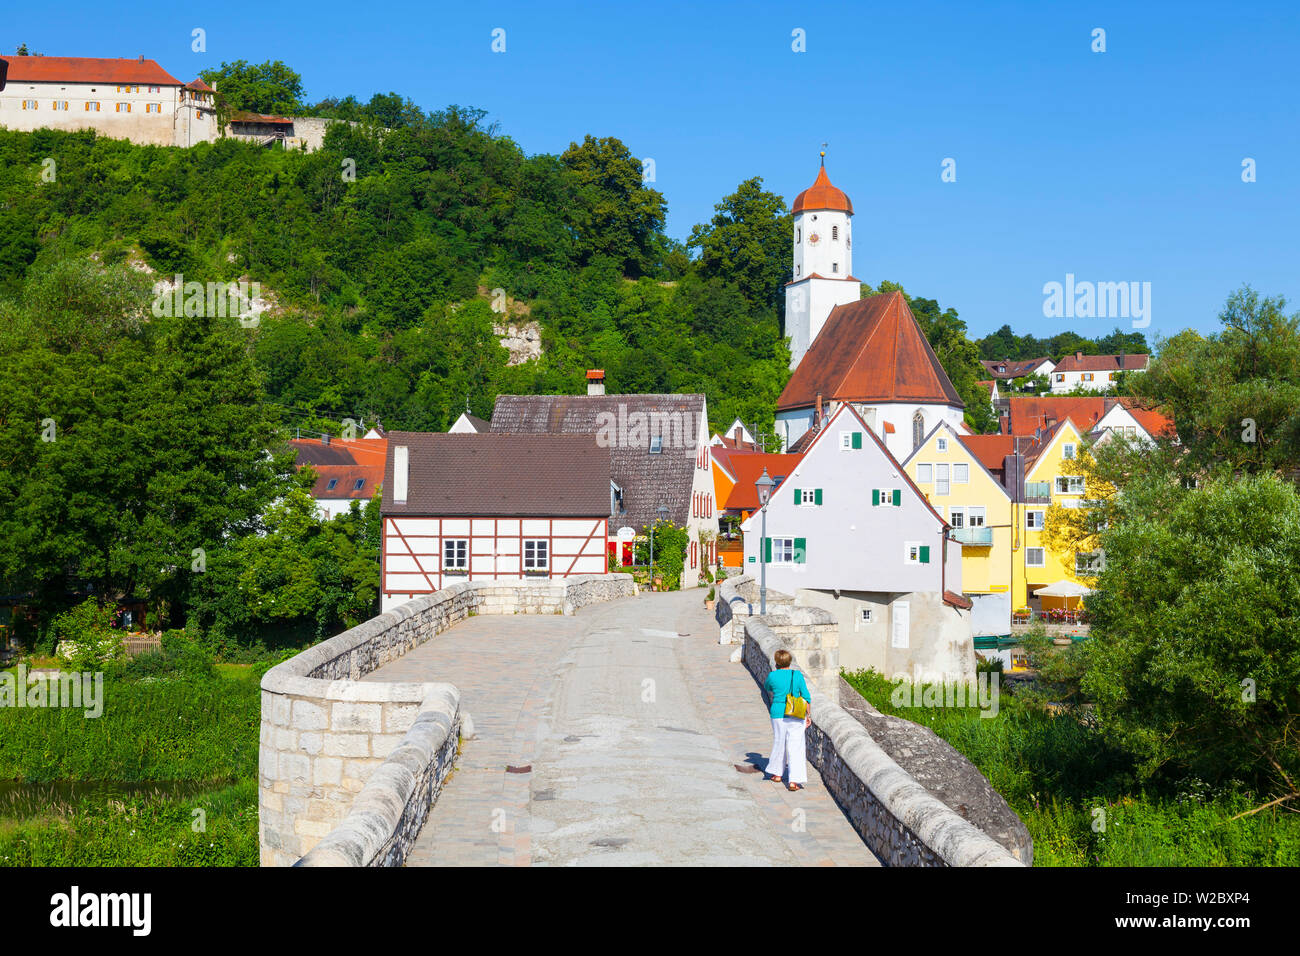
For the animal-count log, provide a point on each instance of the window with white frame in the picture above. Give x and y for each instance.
(924, 474)
(975, 516)
(783, 551)
(455, 554)
(1069, 484)
(1034, 557)
(864, 615)
(656, 444)
(850, 440)
(940, 479)
(536, 554)
(807, 496)
(914, 552)
(1034, 520)
(961, 473)
(957, 517)
(1089, 562)
(1067, 451)
(941, 444)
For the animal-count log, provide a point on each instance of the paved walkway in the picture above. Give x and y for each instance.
(628, 722)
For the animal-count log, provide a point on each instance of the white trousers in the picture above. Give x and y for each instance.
(788, 749)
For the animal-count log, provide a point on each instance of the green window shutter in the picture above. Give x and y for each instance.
(797, 499)
(857, 439)
(898, 497)
(925, 554)
(875, 496)
(800, 546)
(767, 550)
(817, 496)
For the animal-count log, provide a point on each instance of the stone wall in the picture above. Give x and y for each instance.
(326, 737)
(898, 819)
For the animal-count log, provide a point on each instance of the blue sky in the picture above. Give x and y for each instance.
(1115, 166)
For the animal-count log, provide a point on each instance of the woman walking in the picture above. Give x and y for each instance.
(788, 690)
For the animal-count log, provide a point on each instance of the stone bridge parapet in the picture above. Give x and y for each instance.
(348, 771)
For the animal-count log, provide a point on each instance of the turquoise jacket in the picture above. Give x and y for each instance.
(779, 683)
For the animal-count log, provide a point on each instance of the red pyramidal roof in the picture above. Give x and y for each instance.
(871, 350)
(822, 195)
(81, 69)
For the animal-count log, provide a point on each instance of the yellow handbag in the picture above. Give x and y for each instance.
(795, 706)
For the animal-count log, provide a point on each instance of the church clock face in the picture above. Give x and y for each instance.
(814, 238)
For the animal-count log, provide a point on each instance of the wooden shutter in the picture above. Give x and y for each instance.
(798, 498)
(857, 439)
(767, 550)
(800, 546)
(925, 554)
(898, 498)
(817, 496)
(875, 496)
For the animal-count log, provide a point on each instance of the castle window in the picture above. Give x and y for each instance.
(918, 429)
(835, 232)
(796, 269)
(835, 267)
(798, 235)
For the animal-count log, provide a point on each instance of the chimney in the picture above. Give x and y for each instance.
(1004, 424)
(595, 381)
(401, 472)
(1078, 356)
(740, 430)
(1121, 358)
(818, 420)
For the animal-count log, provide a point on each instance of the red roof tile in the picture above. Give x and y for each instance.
(822, 195)
(77, 69)
(1101, 363)
(748, 468)
(989, 450)
(871, 350)
(1014, 368)
(343, 462)
(1156, 423)
(1029, 413)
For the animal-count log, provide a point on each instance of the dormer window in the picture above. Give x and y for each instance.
(357, 486)
(330, 486)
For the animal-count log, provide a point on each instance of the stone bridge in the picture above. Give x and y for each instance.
(568, 722)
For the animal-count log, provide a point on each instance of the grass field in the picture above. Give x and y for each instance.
(1081, 800)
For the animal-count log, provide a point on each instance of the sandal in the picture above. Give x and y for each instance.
(794, 787)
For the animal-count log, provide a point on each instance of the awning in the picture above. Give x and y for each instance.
(1063, 589)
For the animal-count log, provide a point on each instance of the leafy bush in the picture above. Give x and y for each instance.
(86, 635)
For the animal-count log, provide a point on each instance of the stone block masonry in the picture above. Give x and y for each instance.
(350, 770)
(899, 820)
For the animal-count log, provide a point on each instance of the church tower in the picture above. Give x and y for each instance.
(823, 262)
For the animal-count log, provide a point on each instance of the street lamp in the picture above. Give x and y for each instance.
(765, 484)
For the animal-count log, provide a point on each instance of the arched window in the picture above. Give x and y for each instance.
(918, 429)
(835, 232)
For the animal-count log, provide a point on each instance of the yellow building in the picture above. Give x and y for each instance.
(974, 501)
(1052, 477)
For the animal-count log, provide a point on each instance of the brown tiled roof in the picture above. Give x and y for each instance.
(199, 85)
(953, 599)
(871, 350)
(990, 450)
(1015, 369)
(506, 475)
(822, 195)
(243, 116)
(344, 462)
(747, 469)
(1029, 413)
(1101, 363)
(647, 480)
(1156, 423)
(79, 69)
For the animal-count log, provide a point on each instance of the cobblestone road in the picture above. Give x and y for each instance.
(632, 721)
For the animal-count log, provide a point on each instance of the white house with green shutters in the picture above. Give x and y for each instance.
(849, 532)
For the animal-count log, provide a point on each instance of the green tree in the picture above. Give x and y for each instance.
(1235, 395)
(748, 243)
(267, 87)
(619, 215)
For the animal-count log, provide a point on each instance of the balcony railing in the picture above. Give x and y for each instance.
(978, 537)
(1038, 491)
